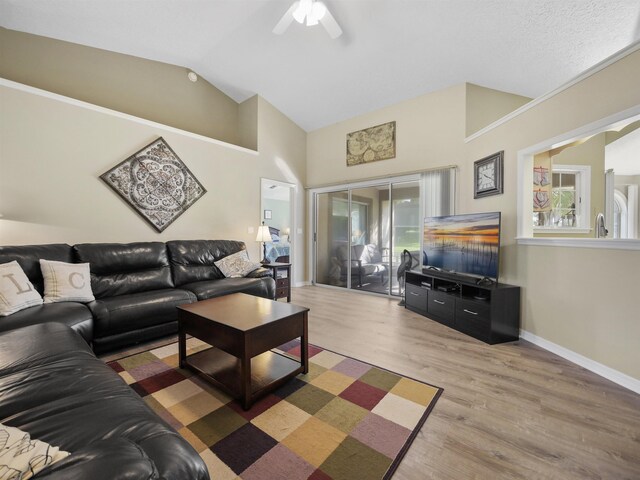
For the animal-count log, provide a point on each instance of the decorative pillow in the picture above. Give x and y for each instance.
(21, 458)
(236, 265)
(275, 238)
(16, 291)
(66, 282)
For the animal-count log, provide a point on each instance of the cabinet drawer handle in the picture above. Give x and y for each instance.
(414, 294)
(438, 302)
(469, 311)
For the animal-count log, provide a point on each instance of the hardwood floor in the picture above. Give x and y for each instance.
(511, 411)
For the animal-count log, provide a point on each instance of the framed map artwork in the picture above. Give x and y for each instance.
(155, 183)
(371, 144)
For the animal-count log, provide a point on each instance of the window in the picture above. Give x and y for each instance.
(569, 206)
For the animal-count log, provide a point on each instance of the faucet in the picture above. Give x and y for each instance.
(601, 232)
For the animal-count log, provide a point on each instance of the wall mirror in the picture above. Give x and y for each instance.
(584, 184)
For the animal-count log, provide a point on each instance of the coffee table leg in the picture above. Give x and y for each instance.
(304, 347)
(245, 388)
(182, 349)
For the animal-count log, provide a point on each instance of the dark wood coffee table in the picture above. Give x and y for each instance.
(242, 331)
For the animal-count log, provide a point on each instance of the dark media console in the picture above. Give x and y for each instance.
(487, 311)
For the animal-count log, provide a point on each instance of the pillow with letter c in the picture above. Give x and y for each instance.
(66, 282)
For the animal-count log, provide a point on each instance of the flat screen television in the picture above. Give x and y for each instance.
(465, 244)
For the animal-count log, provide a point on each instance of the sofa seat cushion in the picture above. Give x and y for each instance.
(97, 462)
(370, 269)
(260, 287)
(125, 313)
(53, 387)
(75, 315)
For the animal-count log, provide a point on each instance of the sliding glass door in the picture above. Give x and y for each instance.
(406, 229)
(369, 239)
(332, 238)
(365, 231)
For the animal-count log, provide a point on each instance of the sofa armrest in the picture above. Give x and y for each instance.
(260, 273)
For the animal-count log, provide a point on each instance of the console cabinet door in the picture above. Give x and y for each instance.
(442, 305)
(473, 318)
(416, 298)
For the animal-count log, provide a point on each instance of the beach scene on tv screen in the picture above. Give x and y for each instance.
(463, 243)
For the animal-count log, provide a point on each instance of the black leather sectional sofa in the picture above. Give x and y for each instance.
(54, 388)
(52, 385)
(137, 286)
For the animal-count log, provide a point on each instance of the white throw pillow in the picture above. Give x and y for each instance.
(21, 457)
(236, 265)
(66, 282)
(16, 291)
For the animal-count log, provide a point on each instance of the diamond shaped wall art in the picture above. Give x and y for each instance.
(156, 183)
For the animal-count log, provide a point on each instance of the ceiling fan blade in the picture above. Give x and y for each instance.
(330, 25)
(286, 19)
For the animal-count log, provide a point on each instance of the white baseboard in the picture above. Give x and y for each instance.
(609, 373)
(302, 284)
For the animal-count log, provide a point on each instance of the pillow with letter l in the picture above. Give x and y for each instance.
(66, 282)
(16, 291)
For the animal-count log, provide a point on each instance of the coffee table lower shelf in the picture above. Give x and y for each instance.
(269, 370)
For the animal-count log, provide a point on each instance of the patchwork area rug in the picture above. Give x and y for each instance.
(344, 420)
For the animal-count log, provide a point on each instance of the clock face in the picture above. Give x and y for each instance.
(486, 176)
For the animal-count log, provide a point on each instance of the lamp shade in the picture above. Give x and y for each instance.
(263, 234)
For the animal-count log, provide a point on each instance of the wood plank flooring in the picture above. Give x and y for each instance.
(511, 411)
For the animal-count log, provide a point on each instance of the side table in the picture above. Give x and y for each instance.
(282, 276)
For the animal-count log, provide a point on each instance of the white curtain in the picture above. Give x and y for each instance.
(439, 192)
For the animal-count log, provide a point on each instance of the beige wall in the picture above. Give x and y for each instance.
(152, 90)
(429, 133)
(52, 154)
(486, 105)
(580, 298)
(282, 147)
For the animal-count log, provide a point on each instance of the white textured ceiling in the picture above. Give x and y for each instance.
(391, 50)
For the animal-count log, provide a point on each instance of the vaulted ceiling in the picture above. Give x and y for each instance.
(391, 50)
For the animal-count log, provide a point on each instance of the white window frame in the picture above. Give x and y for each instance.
(583, 203)
(524, 201)
(620, 200)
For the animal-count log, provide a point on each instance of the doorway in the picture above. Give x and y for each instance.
(277, 212)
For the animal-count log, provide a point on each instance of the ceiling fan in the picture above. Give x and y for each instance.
(314, 11)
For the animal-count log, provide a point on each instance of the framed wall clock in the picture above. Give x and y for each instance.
(488, 175)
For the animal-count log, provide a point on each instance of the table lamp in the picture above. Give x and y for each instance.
(264, 236)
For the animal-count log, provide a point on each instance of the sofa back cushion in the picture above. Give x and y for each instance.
(123, 268)
(29, 256)
(194, 260)
(370, 254)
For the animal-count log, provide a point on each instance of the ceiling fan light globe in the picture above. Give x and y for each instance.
(318, 10)
(299, 15)
(303, 10)
(311, 21)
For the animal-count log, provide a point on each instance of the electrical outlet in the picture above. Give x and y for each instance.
(250, 230)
